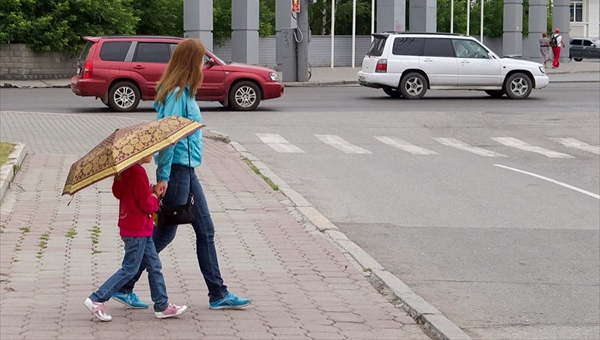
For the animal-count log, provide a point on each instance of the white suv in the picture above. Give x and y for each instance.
(408, 64)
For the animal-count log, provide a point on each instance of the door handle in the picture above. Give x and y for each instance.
(465, 61)
(139, 67)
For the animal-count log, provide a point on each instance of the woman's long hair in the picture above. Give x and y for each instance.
(184, 68)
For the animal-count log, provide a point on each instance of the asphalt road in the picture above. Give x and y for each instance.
(505, 245)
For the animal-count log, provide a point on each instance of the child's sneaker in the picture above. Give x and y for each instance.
(97, 308)
(171, 311)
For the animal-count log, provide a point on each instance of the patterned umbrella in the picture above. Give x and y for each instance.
(125, 147)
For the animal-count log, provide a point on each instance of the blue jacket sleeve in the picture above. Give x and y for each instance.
(173, 107)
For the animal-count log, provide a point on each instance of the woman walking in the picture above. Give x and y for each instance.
(545, 47)
(175, 174)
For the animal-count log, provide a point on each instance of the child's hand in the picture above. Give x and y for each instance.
(158, 190)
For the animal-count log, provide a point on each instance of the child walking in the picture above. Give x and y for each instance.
(137, 202)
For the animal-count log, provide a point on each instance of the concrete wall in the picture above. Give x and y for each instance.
(319, 50)
(17, 61)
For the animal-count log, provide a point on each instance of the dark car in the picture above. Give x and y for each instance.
(122, 70)
(584, 48)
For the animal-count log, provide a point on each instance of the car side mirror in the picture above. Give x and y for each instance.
(211, 62)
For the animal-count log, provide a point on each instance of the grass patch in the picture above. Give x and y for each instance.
(71, 233)
(265, 178)
(5, 150)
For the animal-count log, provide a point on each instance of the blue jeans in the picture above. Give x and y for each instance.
(177, 194)
(139, 253)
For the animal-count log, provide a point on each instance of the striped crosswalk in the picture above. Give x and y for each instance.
(510, 146)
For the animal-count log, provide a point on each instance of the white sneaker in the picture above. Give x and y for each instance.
(97, 308)
(171, 311)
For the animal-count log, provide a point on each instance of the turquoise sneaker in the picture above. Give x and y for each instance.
(130, 300)
(230, 301)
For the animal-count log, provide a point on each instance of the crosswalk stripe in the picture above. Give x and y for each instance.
(575, 144)
(279, 143)
(455, 143)
(518, 144)
(340, 144)
(402, 145)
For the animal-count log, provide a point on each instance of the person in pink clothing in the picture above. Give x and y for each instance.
(137, 202)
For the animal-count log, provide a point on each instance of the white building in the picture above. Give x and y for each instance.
(585, 18)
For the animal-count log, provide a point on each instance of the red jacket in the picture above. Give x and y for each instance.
(136, 202)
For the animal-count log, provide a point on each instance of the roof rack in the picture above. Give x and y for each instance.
(428, 33)
(138, 36)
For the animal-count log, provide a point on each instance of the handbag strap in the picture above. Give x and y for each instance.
(188, 145)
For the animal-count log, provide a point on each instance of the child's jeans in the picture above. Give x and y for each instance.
(139, 251)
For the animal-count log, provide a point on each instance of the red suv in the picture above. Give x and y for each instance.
(122, 70)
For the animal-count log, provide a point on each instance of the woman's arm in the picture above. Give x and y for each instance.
(173, 107)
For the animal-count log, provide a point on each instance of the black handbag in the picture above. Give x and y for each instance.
(180, 214)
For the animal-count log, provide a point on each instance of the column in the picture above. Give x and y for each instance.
(538, 13)
(198, 21)
(283, 19)
(512, 39)
(561, 18)
(423, 16)
(244, 31)
(391, 15)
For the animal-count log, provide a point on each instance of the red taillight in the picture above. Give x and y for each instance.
(381, 66)
(86, 73)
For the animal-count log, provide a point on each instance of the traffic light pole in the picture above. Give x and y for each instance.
(302, 38)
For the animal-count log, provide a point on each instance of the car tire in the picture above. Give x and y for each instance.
(518, 86)
(392, 92)
(413, 86)
(124, 96)
(495, 93)
(244, 96)
(578, 59)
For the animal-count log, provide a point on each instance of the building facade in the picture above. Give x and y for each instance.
(585, 18)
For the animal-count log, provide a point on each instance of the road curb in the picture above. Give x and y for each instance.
(436, 324)
(12, 165)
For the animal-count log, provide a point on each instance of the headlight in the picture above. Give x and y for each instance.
(274, 76)
(542, 70)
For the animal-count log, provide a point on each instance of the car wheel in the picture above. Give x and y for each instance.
(244, 96)
(413, 86)
(392, 92)
(518, 86)
(123, 96)
(578, 59)
(495, 93)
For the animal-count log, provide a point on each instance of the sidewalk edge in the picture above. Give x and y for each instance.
(434, 323)
(7, 171)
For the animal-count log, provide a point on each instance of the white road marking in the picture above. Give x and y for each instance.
(455, 143)
(551, 180)
(402, 145)
(279, 143)
(341, 144)
(575, 144)
(518, 144)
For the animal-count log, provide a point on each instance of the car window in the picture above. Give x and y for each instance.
(587, 43)
(469, 49)
(408, 46)
(576, 42)
(376, 48)
(438, 48)
(85, 51)
(114, 50)
(172, 47)
(151, 52)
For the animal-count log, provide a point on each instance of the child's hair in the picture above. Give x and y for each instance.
(184, 68)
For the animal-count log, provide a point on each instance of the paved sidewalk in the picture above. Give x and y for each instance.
(53, 255)
(587, 70)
